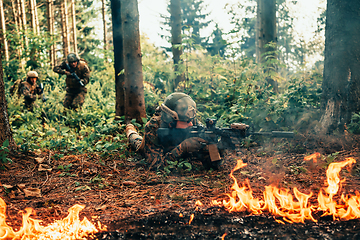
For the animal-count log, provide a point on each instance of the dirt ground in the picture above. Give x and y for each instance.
(117, 189)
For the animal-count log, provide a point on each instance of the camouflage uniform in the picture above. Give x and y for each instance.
(28, 88)
(155, 153)
(75, 93)
(30, 93)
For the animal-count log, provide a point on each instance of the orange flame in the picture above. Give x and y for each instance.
(68, 228)
(191, 218)
(280, 202)
(223, 236)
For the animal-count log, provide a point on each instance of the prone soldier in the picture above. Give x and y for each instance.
(77, 74)
(177, 112)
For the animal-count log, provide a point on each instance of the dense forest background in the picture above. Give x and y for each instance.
(232, 76)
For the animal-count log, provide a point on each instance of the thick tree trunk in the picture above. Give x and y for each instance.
(266, 34)
(3, 31)
(134, 88)
(65, 28)
(118, 57)
(341, 90)
(5, 129)
(50, 22)
(74, 26)
(176, 40)
(103, 8)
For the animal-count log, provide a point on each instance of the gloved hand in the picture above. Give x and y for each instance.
(188, 146)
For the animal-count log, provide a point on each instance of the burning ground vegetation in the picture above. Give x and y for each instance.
(273, 191)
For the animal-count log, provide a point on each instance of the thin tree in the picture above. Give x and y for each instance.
(176, 40)
(23, 19)
(3, 31)
(17, 24)
(65, 28)
(74, 35)
(50, 22)
(340, 87)
(32, 14)
(134, 87)
(103, 8)
(118, 57)
(5, 129)
(266, 34)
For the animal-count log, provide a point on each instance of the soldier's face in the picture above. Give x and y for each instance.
(73, 64)
(33, 80)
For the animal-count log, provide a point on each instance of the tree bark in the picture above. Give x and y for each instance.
(266, 10)
(134, 88)
(23, 19)
(3, 32)
(74, 26)
(118, 57)
(104, 24)
(341, 90)
(176, 40)
(32, 14)
(65, 28)
(50, 22)
(5, 129)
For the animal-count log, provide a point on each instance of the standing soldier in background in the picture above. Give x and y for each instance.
(77, 76)
(29, 89)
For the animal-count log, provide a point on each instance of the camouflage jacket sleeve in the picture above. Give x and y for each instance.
(60, 69)
(83, 71)
(153, 150)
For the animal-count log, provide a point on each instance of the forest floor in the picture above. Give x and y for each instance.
(120, 191)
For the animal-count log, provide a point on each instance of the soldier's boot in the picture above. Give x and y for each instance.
(136, 141)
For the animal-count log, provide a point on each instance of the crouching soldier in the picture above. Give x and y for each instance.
(177, 111)
(29, 89)
(77, 76)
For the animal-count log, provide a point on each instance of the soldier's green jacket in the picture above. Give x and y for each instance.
(29, 92)
(82, 70)
(154, 152)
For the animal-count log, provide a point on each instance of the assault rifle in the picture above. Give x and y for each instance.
(217, 138)
(40, 91)
(73, 74)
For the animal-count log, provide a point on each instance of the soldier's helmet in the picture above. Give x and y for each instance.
(72, 57)
(178, 106)
(32, 74)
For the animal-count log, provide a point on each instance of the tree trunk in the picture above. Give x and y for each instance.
(65, 28)
(5, 129)
(104, 23)
(3, 32)
(118, 57)
(18, 26)
(176, 40)
(36, 18)
(341, 90)
(24, 24)
(74, 26)
(266, 34)
(134, 88)
(50, 22)
(32, 14)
